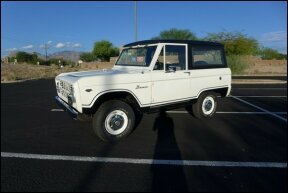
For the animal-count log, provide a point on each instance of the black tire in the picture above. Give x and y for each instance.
(202, 111)
(113, 113)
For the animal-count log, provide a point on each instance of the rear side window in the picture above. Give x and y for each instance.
(208, 57)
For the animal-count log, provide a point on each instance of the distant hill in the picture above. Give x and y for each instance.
(66, 55)
(41, 56)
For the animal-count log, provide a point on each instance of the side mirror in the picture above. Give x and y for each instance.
(171, 69)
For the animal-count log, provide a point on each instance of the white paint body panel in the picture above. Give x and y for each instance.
(169, 86)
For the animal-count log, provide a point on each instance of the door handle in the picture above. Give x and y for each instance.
(187, 73)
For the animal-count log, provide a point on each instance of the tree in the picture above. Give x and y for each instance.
(26, 57)
(34, 58)
(115, 51)
(23, 57)
(87, 57)
(11, 59)
(104, 50)
(235, 43)
(177, 34)
(269, 53)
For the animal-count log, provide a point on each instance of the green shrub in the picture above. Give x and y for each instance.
(68, 63)
(269, 54)
(46, 63)
(235, 43)
(54, 61)
(237, 64)
(87, 57)
(11, 59)
(23, 57)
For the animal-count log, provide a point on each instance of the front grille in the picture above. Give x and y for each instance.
(65, 88)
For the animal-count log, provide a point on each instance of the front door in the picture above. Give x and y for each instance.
(170, 77)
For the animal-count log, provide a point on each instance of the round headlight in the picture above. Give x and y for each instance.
(72, 90)
(70, 99)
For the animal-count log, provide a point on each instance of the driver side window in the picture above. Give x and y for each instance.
(175, 57)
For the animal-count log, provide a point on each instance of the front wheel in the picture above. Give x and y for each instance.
(113, 120)
(206, 105)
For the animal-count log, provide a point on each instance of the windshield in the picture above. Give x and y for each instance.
(136, 56)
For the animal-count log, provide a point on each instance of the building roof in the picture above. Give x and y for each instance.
(191, 42)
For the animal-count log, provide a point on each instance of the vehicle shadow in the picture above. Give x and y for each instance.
(88, 181)
(166, 178)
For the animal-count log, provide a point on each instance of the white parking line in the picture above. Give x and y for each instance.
(146, 161)
(259, 96)
(259, 113)
(222, 112)
(259, 88)
(259, 108)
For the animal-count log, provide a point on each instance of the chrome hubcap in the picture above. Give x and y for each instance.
(116, 122)
(208, 105)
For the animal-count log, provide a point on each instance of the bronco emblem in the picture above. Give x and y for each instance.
(138, 87)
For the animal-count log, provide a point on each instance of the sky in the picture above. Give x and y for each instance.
(28, 26)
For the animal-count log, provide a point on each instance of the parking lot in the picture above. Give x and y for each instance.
(243, 148)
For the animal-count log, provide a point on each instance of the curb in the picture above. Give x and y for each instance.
(23, 80)
(247, 75)
(264, 82)
(259, 79)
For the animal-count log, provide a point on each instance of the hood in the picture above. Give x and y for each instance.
(93, 73)
(101, 76)
(106, 72)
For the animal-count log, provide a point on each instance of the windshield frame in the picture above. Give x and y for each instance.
(135, 47)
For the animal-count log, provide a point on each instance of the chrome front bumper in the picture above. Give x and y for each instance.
(72, 112)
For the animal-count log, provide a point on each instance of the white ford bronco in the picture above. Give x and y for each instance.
(148, 76)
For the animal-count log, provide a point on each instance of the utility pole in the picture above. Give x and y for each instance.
(135, 19)
(46, 47)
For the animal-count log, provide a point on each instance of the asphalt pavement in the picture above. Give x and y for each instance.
(243, 148)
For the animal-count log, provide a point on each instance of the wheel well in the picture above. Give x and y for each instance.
(124, 96)
(220, 91)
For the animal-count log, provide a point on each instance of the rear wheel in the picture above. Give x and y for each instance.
(113, 120)
(206, 105)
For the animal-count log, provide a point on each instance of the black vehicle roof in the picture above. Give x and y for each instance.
(191, 42)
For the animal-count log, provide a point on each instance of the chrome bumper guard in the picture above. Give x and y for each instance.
(72, 112)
